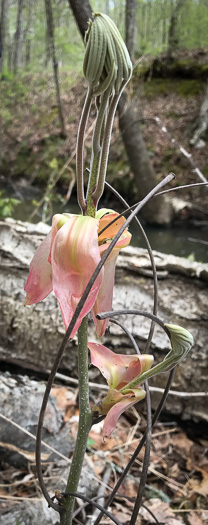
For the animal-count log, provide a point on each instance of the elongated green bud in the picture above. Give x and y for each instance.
(107, 65)
(181, 340)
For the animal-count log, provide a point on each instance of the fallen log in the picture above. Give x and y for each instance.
(30, 336)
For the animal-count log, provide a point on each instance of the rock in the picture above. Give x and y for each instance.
(30, 336)
(29, 513)
(20, 400)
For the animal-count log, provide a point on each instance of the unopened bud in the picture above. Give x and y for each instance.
(107, 65)
(181, 339)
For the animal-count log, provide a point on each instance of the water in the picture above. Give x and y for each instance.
(184, 241)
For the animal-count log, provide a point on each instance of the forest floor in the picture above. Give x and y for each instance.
(177, 484)
(34, 153)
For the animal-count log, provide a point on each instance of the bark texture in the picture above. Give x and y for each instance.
(82, 12)
(30, 336)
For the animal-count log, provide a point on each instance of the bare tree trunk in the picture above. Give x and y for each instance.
(173, 33)
(3, 18)
(47, 47)
(157, 211)
(27, 34)
(82, 12)
(131, 27)
(18, 38)
(51, 41)
(164, 24)
(10, 53)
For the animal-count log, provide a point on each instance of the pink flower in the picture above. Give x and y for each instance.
(118, 370)
(66, 260)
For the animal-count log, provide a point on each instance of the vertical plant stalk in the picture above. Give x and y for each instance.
(97, 147)
(80, 147)
(84, 425)
(105, 149)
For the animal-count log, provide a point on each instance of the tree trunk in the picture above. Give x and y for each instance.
(9, 54)
(157, 211)
(27, 35)
(202, 121)
(51, 41)
(47, 47)
(140, 164)
(131, 27)
(82, 12)
(18, 38)
(164, 24)
(173, 28)
(3, 18)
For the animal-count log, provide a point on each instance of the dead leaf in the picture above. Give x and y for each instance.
(194, 519)
(162, 512)
(196, 486)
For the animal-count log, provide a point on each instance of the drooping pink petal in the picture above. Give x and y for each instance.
(110, 364)
(75, 255)
(104, 299)
(118, 369)
(57, 222)
(39, 281)
(120, 407)
(135, 366)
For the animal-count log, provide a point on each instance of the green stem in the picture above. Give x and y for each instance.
(80, 146)
(96, 150)
(166, 364)
(84, 424)
(105, 149)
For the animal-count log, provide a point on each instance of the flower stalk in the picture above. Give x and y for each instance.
(84, 425)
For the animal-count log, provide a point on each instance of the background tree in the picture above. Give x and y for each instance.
(17, 61)
(131, 27)
(51, 43)
(3, 19)
(27, 33)
(173, 34)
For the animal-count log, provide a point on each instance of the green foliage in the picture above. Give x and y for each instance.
(7, 206)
